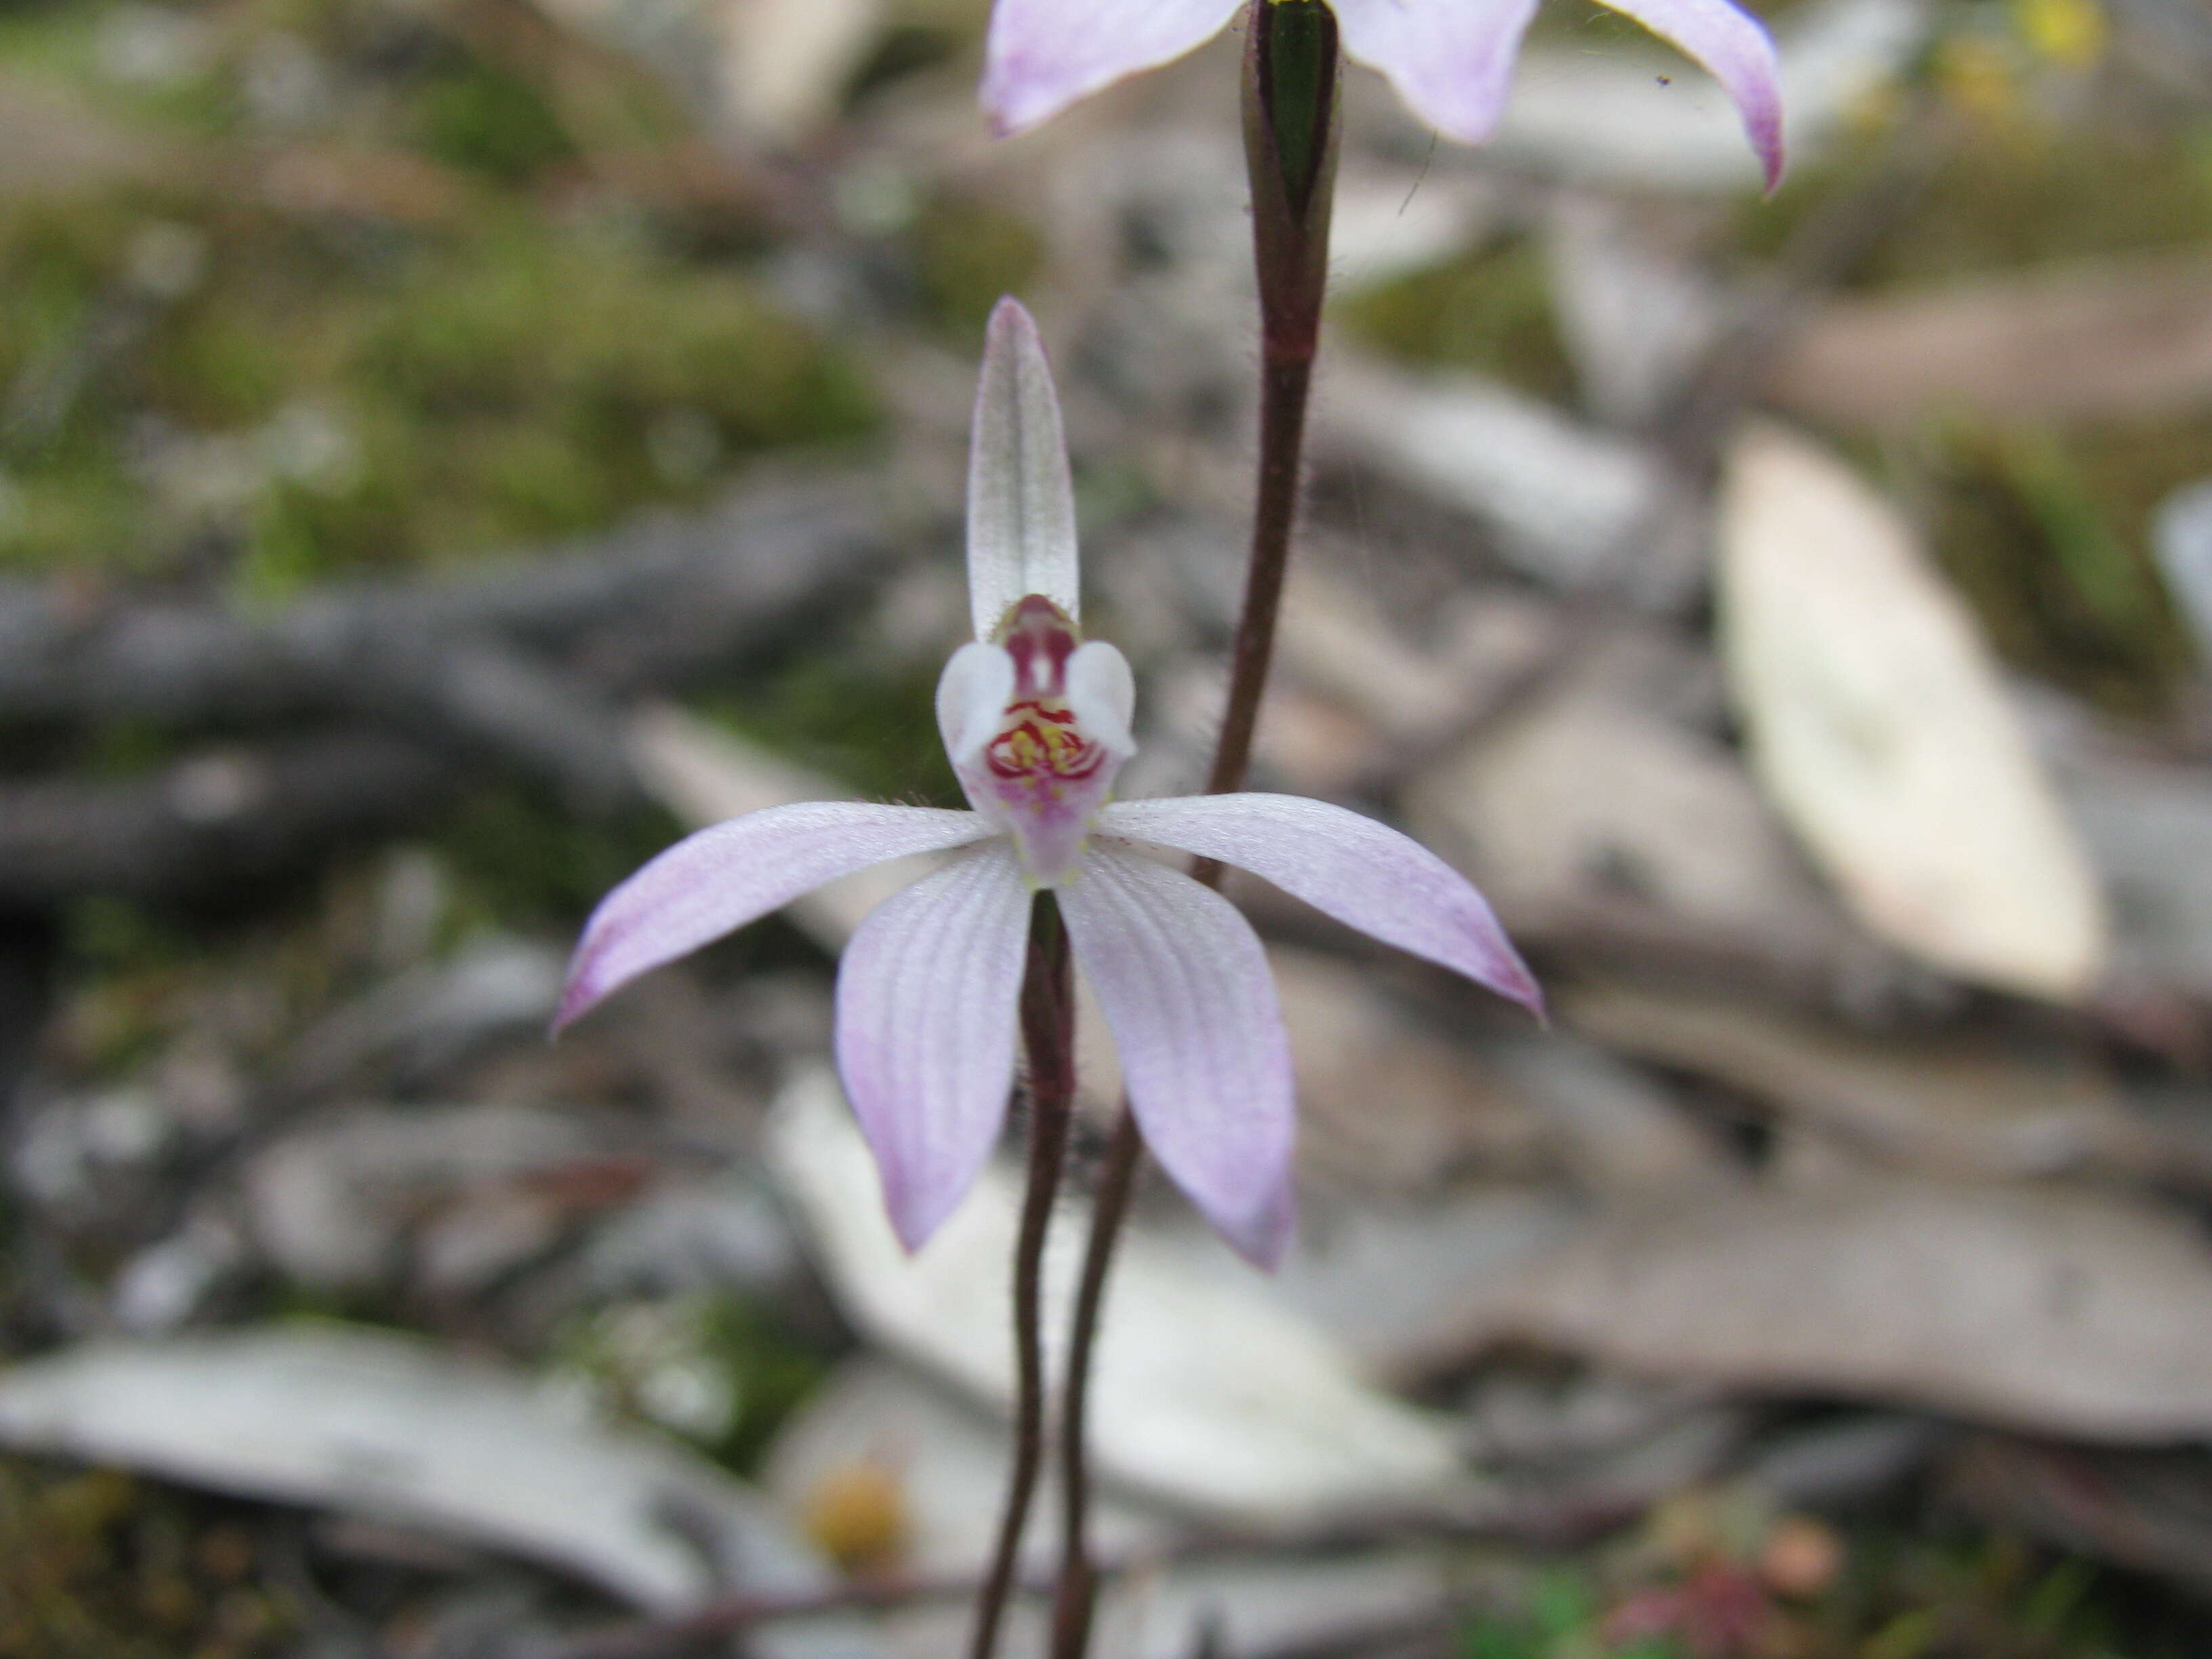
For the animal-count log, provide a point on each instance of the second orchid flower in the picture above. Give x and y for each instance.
(1450, 60)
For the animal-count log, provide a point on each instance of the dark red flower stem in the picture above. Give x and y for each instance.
(1291, 130)
(1047, 1015)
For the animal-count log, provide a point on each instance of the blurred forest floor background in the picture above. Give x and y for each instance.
(449, 447)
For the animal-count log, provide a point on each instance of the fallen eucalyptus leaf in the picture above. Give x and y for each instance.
(1206, 1390)
(1879, 725)
(1945, 1105)
(386, 1426)
(2127, 339)
(2069, 1312)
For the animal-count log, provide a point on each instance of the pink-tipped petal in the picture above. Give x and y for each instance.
(1042, 54)
(1450, 60)
(1187, 996)
(723, 877)
(1021, 506)
(926, 1024)
(1363, 873)
(1735, 47)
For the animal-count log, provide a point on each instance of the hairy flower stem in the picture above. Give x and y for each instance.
(1292, 130)
(1047, 1015)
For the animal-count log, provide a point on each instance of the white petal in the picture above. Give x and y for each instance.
(1363, 873)
(1450, 60)
(1102, 693)
(1186, 991)
(1737, 49)
(972, 694)
(1042, 54)
(734, 873)
(926, 1024)
(1021, 507)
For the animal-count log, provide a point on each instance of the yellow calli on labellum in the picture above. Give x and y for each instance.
(1450, 60)
(1035, 719)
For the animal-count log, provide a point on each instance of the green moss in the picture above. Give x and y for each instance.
(520, 862)
(2046, 535)
(2014, 195)
(97, 1564)
(723, 1371)
(1489, 312)
(508, 378)
(966, 255)
(479, 118)
(875, 731)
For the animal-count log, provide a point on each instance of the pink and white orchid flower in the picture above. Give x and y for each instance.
(1450, 60)
(1037, 722)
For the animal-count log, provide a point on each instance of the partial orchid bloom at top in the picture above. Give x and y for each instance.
(1037, 722)
(1450, 60)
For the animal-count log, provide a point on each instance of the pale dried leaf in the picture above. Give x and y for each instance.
(1383, 1105)
(1947, 1105)
(2068, 1312)
(2127, 339)
(784, 62)
(1206, 1390)
(1879, 725)
(382, 1425)
(1586, 795)
(1569, 503)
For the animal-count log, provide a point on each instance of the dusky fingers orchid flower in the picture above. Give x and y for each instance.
(1037, 722)
(1450, 60)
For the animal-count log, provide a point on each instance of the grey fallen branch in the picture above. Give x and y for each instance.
(662, 600)
(519, 667)
(206, 826)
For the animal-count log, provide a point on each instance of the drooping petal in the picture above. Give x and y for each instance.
(1735, 47)
(1042, 54)
(1187, 996)
(1021, 507)
(738, 871)
(1102, 693)
(1450, 60)
(926, 1026)
(972, 694)
(1363, 873)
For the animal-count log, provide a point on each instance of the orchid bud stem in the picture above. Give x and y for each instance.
(1047, 1016)
(1293, 126)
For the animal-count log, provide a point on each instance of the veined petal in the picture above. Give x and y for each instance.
(1735, 47)
(1042, 54)
(1450, 60)
(1187, 996)
(925, 1025)
(1021, 508)
(1102, 693)
(972, 694)
(738, 871)
(1363, 873)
